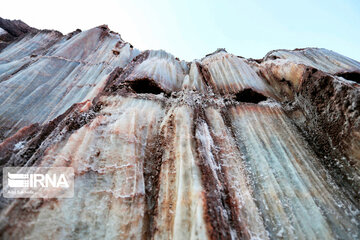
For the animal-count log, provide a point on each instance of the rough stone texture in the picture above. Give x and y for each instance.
(13, 30)
(222, 147)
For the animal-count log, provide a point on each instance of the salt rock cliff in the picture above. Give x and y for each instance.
(222, 147)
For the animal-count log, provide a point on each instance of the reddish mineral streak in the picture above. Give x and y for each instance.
(222, 147)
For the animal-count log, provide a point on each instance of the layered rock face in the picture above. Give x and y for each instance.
(218, 148)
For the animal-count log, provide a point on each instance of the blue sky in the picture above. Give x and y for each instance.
(191, 29)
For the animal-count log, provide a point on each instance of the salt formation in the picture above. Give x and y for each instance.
(222, 147)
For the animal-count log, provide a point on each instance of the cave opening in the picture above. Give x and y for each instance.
(250, 96)
(145, 86)
(352, 76)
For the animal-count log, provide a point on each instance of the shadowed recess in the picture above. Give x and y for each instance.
(145, 86)
(352, 76)
(250, 96)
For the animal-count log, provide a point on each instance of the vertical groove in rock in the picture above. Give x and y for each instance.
(152, 167)
(245, 215)
(218, 214)
(283, 170)
(180, 209)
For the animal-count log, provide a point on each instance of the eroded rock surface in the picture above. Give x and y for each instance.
(222, 147)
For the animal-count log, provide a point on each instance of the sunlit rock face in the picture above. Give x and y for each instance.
(43, 74)
(222, 147)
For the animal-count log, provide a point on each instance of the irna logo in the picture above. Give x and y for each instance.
(39, 182)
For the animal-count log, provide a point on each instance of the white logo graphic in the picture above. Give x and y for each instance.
(38, 182)
(18, 180)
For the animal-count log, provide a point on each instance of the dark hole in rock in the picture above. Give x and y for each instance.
(249, 96)
(286, 82)
(145, 86)
(258, 60)
(115, 52)
(104, 27)
(273, 57)
(352, 76)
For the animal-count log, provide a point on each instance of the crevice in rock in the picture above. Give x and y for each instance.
(255, 60)
(273, 57)
(228, 202)
(152, 168)
(352, 76)
(249, 96)
(288, 83)
(145, 86)
(111, 79)
(204, 72)
(219, 214)
(116, 52)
